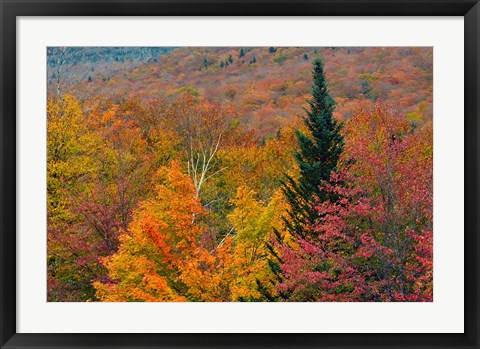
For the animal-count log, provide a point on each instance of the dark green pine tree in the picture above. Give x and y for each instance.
(317, 156)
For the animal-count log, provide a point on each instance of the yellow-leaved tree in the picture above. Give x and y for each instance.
(254, 223)
(238, 266)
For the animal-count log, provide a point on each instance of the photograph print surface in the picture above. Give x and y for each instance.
(232, 174)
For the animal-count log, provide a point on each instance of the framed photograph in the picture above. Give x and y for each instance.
(239, 174)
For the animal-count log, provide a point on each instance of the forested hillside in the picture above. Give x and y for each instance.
(240, 174)
(267, 86)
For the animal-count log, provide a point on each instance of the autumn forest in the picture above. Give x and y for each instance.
(232, 174)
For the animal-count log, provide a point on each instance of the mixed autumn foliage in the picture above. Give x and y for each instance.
(229, 174)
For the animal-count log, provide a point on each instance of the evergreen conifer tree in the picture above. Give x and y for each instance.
(317, 156)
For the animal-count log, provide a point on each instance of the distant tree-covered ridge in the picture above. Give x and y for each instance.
(75, 55)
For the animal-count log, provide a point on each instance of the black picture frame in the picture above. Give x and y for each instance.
(10, 10)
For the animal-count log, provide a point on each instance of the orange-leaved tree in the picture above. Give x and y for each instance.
(159, 244)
